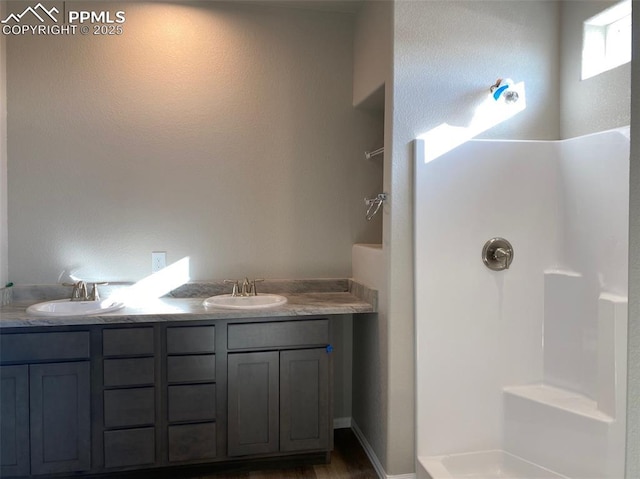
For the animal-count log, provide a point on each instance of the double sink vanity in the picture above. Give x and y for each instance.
(178, 383)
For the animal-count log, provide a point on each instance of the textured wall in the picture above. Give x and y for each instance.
(4, 267)
(341, 335)
(633, 391)
(579, 113)
(372, 75)
(371, 48)
(370, 383)
(213, 130)
(447, 54)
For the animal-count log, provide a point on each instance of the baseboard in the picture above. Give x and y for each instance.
(341, 422)
(373, 458)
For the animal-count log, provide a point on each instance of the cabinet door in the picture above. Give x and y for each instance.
(304, 400)
(60, 417)
(253, 403)
(14, 421)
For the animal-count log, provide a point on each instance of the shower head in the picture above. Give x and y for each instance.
(503, 89)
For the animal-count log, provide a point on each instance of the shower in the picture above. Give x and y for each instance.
(521, 350)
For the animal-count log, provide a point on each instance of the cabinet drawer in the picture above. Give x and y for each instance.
(278, 334)
(129, 407)
(44, 346)
(192, 402)
(129, 447)
(192, 442)
(191, 368)
(129, 372)
(127, 341)
(191, 339)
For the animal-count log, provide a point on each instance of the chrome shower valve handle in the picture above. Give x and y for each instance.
(497, 254)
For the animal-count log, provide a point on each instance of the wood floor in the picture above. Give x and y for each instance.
(348, 461)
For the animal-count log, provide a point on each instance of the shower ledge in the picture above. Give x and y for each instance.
(562, 399)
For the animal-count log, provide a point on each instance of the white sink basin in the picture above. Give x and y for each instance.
(66, 307)
(245, 302)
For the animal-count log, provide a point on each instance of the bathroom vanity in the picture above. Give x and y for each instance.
(105, 398)
(128, 391)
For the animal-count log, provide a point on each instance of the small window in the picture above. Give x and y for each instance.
(606, 41)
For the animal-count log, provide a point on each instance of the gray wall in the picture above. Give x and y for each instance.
(373, 65)
(633, 390)
(4, 267)
(372, 55)
(342, 357)
(217, 131)
(580, 114)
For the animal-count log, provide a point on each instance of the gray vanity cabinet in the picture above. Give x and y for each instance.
(191, 394)
(278, 400)
(60, 417)
(253, 380)
(129, 397)
(159, 396)
(304, 400)
(111, 399)
(45, 409)
(14, 421)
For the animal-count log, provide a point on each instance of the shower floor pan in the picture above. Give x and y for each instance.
(496, 464)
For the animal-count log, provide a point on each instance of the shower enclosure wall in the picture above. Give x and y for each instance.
(521, 372)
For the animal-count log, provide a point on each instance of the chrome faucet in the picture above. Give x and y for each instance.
(252, 289)
(234, 282)
(79, 292)
(95, 295)
(248, 287)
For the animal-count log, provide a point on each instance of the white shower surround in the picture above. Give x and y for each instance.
(563, 205)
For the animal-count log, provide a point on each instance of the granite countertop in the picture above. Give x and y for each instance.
(305, 298)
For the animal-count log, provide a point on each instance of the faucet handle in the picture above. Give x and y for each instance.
(504, 255)
(74, 292)
(246, 287)
(95, 295)
(252, 290)
(234, 292)
(79, 292)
